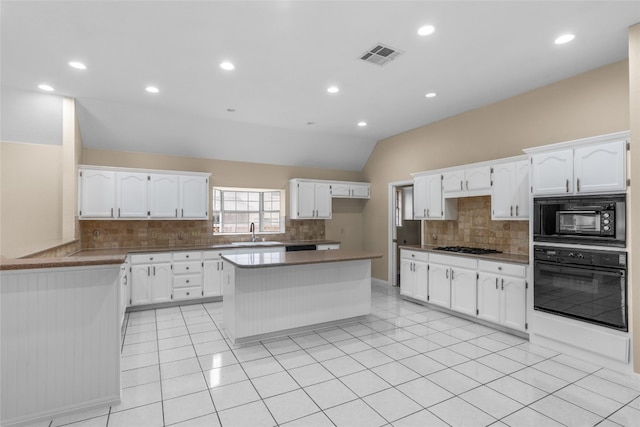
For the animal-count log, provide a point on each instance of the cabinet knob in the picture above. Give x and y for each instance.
(187, 281)
(187, 293)
(500, 268)
(187, 256)
(187, 268)
(150, 258)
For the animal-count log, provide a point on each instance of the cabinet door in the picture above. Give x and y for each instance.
(434, 196)
(521, 189)
(161, 280)
(359, 191)
(131, 194)
(489, 294)
(323, 201)
(552, 173)
(601, 167)
(453, 181)
(407, 279)
(502, 192)
(194, 197)
(513, 303)
(463, 290)
(421, 278)
(420, 196)
(140, 282)
(477, 178)
(212, 278)
(306, 199)
(163, 196)
(98, 194)
(439, 285)
(341, 190)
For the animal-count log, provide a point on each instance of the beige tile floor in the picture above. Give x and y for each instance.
(405, 365)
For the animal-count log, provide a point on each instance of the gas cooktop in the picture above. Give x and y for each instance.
(467, 250)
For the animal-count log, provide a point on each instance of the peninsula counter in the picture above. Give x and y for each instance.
(269, 294)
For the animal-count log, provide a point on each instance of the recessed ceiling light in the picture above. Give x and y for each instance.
(362, 124)
(565, 38)
(152, 89)
(46, 87)
(431, 95)
(231, 110)
(333, 89)
(77, 65)
(311, 123)
(426, 30)
(227, 66)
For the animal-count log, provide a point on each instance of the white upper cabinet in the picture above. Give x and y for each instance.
(163, 195)
(310, 199)
(428, 201)
(97, 190)
(465, 182)
(350, 190)
(510, 191)
(592, 165)
(106, 193)
(194, 197)
(131, 194)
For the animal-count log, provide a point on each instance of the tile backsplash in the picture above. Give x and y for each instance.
(475, 228)
(144, 233)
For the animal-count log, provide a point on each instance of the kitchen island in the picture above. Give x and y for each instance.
(276, 293)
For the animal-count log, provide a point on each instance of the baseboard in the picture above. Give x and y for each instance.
(379, 282)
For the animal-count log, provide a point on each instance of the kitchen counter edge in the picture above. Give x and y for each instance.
(283, 259)
(502, 257)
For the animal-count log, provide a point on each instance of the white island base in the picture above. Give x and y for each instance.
(274, 300)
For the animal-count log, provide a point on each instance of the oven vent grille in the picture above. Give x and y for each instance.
(380, 54)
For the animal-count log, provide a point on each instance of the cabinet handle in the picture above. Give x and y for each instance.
(461, 185)
(502, 286)
(148, 271)
(452, 274)
(154, 270)
(447, 273)
(467, 184)
(516, 210)
(218, 265)
(496, 283)
(176, 212)
(182, 212)
(427, 213)
(111, 212)
(510, 210)
(577, 185)
(118, 212)
(567, 184)
(126, 280)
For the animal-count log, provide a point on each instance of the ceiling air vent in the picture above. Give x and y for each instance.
(380, 54)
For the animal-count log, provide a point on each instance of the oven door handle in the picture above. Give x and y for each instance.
(559, 267)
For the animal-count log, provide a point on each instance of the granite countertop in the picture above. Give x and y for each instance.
(502, 257)
(87, 257)
(278, 259)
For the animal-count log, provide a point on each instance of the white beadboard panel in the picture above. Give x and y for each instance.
(265, 300)
(60, 341)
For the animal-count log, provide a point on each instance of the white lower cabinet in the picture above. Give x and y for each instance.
(187, 275)
(452, 282)
(151, 278)
(414, 274)
(502, 290)
(212, 272)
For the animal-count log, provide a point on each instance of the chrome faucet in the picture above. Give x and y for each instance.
(252, 229)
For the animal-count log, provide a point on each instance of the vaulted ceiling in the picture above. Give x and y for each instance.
(274, 106)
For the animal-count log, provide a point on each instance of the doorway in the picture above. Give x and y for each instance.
(403, 229)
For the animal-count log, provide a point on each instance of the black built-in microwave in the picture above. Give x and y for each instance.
(588, 220)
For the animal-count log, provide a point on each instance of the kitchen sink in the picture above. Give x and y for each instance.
(256, 243)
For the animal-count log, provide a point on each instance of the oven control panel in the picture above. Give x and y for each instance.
(580, 256)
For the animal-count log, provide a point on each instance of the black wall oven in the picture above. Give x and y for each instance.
(583, 220)
(584, 284)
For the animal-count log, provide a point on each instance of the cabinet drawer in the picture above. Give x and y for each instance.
(454, 261)
(415, 255)
(503, 268)
(187, 280)
(187, 293)
(151, 258)
(189, 267)
(187, 256)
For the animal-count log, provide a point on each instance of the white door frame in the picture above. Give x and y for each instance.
(393, 262)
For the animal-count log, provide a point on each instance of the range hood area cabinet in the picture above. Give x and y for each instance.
(467, 182)
(119, 193)
(586, 166)
(312, 198)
